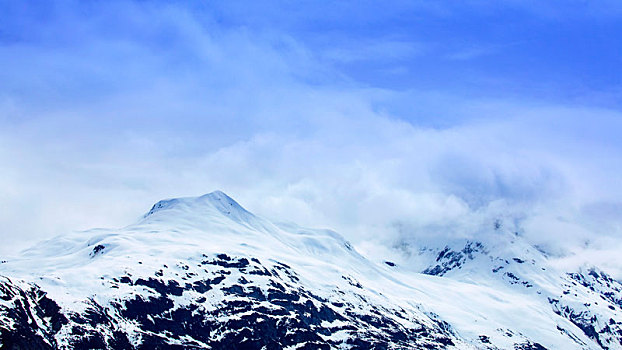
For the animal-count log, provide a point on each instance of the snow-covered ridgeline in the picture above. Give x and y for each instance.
(210, 263)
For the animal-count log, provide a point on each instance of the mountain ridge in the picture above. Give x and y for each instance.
(230, 279)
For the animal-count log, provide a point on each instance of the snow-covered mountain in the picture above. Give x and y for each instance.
(205, 273)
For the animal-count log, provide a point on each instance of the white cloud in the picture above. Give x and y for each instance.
(126, 122)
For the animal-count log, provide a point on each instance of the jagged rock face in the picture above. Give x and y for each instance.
(605, 328)
(28, 318)
(222, 302)
(205, 273)
(591, 300)
(448, 259)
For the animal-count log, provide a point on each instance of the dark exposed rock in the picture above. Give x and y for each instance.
(98, 249)
(281, 314)
(448, 259)
(529, 346)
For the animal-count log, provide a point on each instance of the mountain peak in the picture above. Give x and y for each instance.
(219, 198)
(205, 268)
(226, 205)
(215, 202)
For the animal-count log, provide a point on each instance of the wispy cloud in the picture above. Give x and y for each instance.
(379, 50)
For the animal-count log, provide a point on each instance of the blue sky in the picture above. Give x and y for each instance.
(436, 117)
(544, 51)
(564, 51)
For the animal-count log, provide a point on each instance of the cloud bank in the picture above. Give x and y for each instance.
(108, 107)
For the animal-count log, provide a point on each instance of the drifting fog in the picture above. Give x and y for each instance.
(107, 108)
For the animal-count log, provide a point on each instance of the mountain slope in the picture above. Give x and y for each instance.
(203, 272)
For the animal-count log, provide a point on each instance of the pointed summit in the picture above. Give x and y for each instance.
(216, 198)
(227, 206)
(214, 203)
(222, 201)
